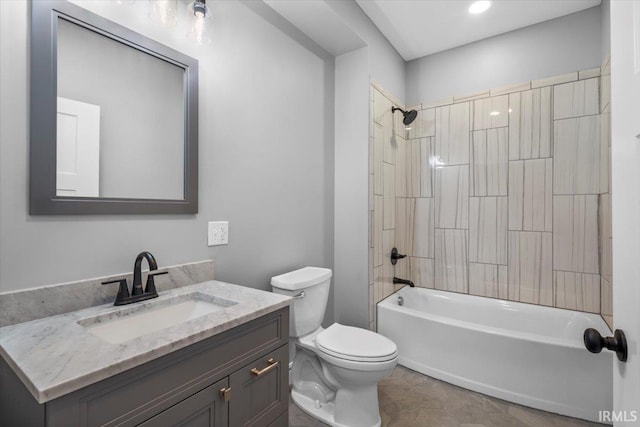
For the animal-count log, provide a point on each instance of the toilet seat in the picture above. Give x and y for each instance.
(340, 344)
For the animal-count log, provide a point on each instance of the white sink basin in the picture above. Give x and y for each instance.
(151, 316)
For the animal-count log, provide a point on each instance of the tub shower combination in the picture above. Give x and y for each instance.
(527, 354)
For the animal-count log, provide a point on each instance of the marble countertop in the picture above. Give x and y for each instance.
(55, 355)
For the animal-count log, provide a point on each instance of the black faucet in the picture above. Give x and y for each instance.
(136, 288)
(398, 281)
(137, 293)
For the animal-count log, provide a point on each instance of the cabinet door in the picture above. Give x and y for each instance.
(260, 390)
(207, 408)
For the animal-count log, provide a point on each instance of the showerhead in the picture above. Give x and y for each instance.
(408, 116)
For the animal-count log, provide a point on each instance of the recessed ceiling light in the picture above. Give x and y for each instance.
(494, 113)
(479, 6)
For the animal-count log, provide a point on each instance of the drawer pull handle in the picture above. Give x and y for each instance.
(272, 364)
(225, 393)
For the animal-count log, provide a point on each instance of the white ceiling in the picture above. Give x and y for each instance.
(421, 27)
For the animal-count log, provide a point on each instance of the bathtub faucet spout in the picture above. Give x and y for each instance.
(398, 281)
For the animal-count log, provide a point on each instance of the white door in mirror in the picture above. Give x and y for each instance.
(78, 149)
(218, 233)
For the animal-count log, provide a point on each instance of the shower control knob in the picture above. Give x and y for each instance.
(594, 342)
(395, 256)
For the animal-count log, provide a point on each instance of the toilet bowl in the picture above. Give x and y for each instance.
(335, 371)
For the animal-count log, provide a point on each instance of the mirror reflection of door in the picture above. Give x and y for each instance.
(78, 149)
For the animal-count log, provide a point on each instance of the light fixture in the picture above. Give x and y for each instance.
(494, 113)
(479, 6)
(198, 25)
(199, 29)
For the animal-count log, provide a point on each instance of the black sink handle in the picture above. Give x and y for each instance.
(395, 256)
(594, 342)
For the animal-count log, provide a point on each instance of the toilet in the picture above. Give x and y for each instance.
(335, 371)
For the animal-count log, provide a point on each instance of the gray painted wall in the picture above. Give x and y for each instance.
(550, 48)
(266, 160)
(385, 64)
(351, 279)
(379, 61)
(605, 27)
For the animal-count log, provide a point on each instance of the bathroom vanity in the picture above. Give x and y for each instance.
(227, 367)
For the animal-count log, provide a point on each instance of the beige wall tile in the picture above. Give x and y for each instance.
(452, 134)
(548, 81)
(389, 197)
(576, 99)
(491, 112)
(405, 224)
(588, 74)
(422, 272)
(473, 96)
(378, 279)
(577, 156)
(530, 275)
(489, 162)
(519, 87)
(423, 230)
(413, 168)
(377, 230)
(388, 243)
(378, 157)
(605, 153)
(488, 280)
(530, 195)
(424, 125)
(401, 168)
(530, 124)
(606, 297)
(577, 291)
(451, 260)
(389, 144)
(452, 197)
(605, 93)
(437, 103)
(426, 167)
(604, 236)
(402, 270)
(488, 230)
(575, 234)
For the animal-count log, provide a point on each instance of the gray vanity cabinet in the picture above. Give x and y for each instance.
(206, 408)
(236, 378)
(266, 381)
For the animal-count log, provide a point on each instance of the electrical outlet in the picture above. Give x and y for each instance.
(218, 233)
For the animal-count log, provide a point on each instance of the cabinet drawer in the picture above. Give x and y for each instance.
(134, 396)
(261, 390)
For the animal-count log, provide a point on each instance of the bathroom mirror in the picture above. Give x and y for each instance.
(113, 118)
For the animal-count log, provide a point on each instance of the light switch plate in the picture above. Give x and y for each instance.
(218, 233)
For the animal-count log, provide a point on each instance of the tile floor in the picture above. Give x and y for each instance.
(410, 399)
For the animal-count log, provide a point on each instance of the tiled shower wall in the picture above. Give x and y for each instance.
(502, 194)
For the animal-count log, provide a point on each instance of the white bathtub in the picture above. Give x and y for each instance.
(523, 353)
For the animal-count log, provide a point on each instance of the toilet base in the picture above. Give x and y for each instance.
(324, 412)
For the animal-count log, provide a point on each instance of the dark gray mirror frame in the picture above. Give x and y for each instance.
(43, 109)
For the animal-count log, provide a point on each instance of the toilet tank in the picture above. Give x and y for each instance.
(309, 287)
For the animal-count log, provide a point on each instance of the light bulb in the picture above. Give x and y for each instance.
(200, 22)
(479, 6)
